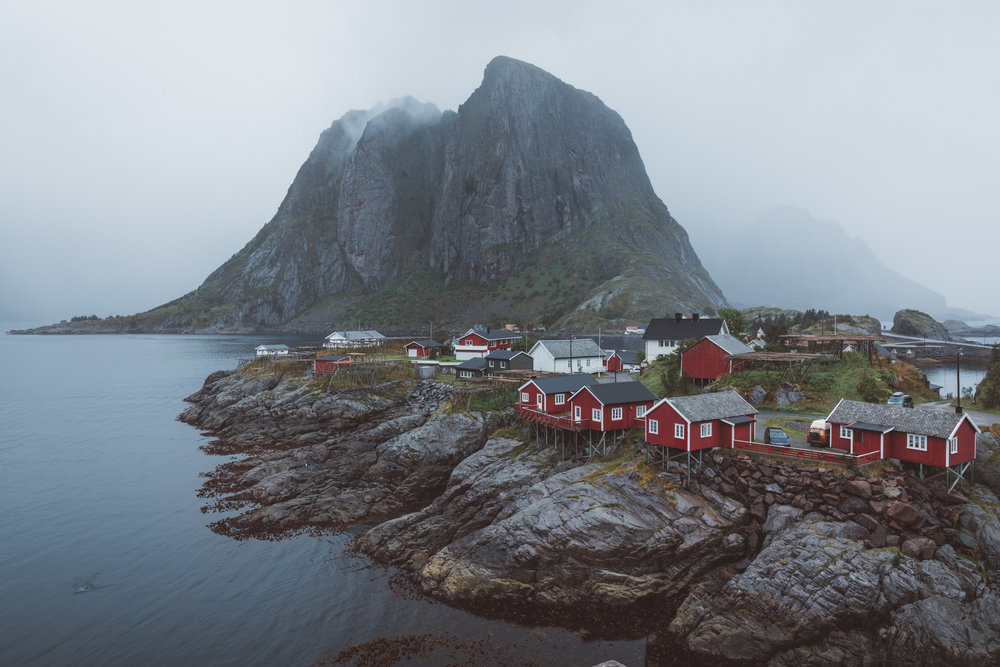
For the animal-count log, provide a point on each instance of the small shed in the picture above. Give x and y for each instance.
(272, 350)
(419, 349)
(329, 363)
(471, 368)
(507, 360)
(621, 360)
(712, 357)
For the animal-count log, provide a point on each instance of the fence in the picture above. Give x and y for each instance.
(809, 454)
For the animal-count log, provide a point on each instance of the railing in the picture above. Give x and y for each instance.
(795, 452)
(546, 419)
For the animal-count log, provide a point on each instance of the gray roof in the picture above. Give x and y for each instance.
(497, 334)
(364, 334)
(474, 364)
(558, 384)
(730, 344)
(669, 328)
(704, 407)
(425, 342)
(580, 347)
(332, 357)
(614, 393)
(505, 354)
(919, 421)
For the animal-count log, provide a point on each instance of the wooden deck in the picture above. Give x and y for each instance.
(546, 419)
(808, 454)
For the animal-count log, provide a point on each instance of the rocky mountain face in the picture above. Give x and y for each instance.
(530, 202)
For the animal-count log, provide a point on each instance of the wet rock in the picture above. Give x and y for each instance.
(905, 514)
(859, 488)
(919, 547)
(756, 395)
(941, 629)
(980, 527)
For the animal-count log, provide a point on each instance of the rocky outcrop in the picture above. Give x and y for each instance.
(395, 205)
(918, 324)
(511, 526)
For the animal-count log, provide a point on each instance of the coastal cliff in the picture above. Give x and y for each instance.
(757, 560)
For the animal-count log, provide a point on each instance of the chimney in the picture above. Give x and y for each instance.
(958, 410)
(695, 316)
(677, 317)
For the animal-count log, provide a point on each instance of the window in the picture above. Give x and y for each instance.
(666, 343)
(616, 414)
(845, 433)
(706, 429)
(917, 442)
(466, 374)
(560, 399)
(953, 445)
(679, 431)
(524, 397)
(640, 411)
(595, 414)
(654, 426)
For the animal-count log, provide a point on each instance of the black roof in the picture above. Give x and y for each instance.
(474, 364)
(670, 328)
(505, 354)
(562, 383)
(614, 393)
(741, 419)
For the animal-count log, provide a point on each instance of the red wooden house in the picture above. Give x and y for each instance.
(611, 406)
(551, 394)
(926, 436)
(330, 362)
(712, 357)
(422, 348)
(621, 360)
(480, 343)
(692, 423)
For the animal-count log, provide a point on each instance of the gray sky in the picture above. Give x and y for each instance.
(142, 144)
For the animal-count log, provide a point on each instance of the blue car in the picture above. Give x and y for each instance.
(775, 436)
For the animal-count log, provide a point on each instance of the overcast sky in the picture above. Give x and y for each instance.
(142, 144)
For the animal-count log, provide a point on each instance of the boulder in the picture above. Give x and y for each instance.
(904, 513)
(918, 324)
(859, 488)
(919, 547)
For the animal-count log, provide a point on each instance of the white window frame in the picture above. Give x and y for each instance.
(706, 430)
(953, 445)
(616, 414)
(846, 433)
(640, 411)
(466, 374)
(916, 442)
(679, 431)
(654, 426)
(560, 399)
(595, 414)
(525, 397)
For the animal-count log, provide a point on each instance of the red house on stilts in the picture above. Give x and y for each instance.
(331, 362)
(925, 436)
(689, 424)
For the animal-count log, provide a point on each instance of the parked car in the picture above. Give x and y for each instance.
(899, 398)
(775, 436)
(819, 433)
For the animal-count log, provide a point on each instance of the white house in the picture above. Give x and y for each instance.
(581, 355)
(363, 338)
(663, 334)
(272, 350)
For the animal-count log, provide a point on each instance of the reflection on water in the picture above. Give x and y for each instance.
(104, 553)
(945, 375)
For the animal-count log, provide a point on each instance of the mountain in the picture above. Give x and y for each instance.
(790, 258)
(530, 203)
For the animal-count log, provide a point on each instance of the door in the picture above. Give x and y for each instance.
(541, 401)
(576, 413)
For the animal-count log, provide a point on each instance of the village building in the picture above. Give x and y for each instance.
(663, 334)
(712, 357)
(926, 436)
(272, 350)
(419, 349)
(703, 421)
(477, 343)
(329, 363)
(471, 368)
(613, 406)
(580, 355)
(508, 360)
(353, 339)
(551, 394)
(621, 360)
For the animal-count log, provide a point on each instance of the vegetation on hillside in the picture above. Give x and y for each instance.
(988, 391)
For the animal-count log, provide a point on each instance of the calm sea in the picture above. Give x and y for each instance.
(104, 554)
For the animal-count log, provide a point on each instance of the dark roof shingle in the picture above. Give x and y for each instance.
(703, 407)
(563, 383)
(669, 328)
(615, 393)
(919, 421)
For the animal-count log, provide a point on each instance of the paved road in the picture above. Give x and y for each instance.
(981, 418)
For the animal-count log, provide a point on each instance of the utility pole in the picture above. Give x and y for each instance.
(958, 379)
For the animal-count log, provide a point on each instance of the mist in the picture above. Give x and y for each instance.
(144, 145)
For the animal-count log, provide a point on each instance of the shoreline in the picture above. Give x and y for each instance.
(474, 515)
